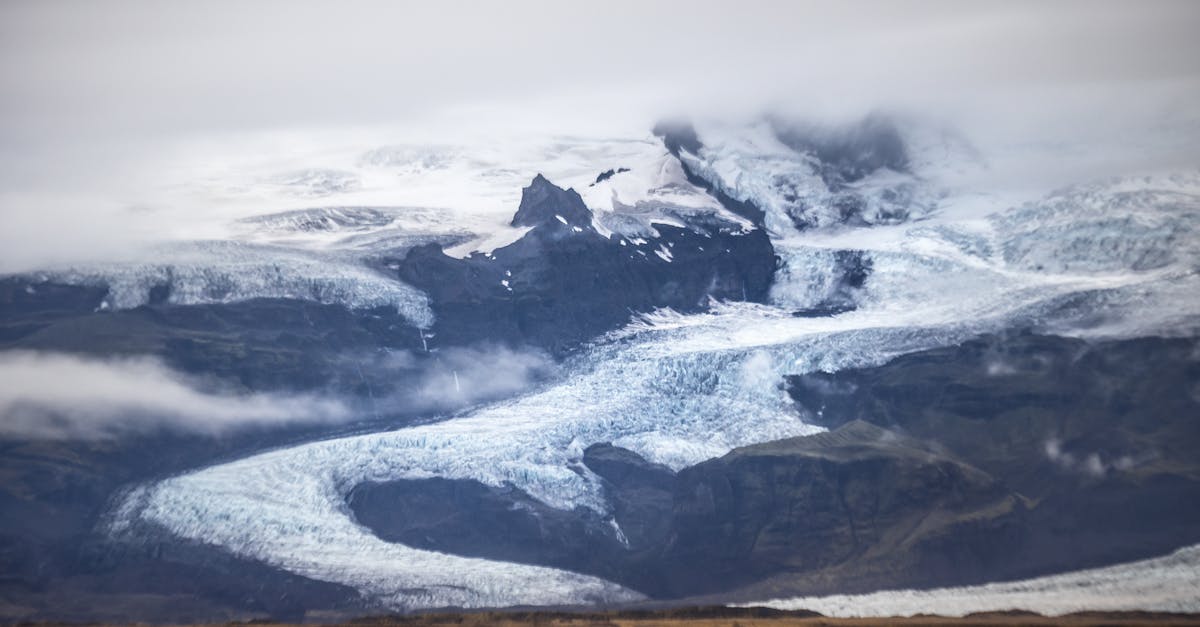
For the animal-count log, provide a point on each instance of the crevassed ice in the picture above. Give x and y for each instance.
(1106, 227)
(677, 392)
(676, 389)
(750, 163)
(364, 229)
(227, 272)
(1164, 584)
(1103, 234)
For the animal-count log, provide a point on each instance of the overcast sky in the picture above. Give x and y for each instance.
(94, 94)
(85, 69)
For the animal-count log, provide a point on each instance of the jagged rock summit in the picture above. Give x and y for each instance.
(544, 203)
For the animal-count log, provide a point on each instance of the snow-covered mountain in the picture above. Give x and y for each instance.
(785, 178)
(679, 277)
(679, 389)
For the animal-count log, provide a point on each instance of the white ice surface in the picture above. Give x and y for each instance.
(1165, 584)
(477, 188)
(227, 272)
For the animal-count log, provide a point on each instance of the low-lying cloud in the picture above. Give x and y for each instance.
(1092, 464)
(60, 396)
(458, 377)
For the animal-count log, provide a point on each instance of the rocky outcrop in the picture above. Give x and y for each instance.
(853, 268)
(543, 204)
(57, 566)
(564, 283)
(860, 500)
(260, 344)
(641, 494)
(466, 517)
(861, 506)
(1100, 437)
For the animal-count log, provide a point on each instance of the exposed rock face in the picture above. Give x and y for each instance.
(563, 282)
(609, 173)
(640, 491)
(860, 506)
(1101, 437)
(469, 518)
(260, 344)
(543, 204)
(57, 566)
(846, 500)
(1030, 408)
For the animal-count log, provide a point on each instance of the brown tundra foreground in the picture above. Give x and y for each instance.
(738, 617)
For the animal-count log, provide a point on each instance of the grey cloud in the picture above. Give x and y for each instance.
(56, 396)
(142, 67)
(142, 64)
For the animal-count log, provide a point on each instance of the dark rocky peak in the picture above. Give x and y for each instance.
(544, 203)
(607, 174)
(848, 153)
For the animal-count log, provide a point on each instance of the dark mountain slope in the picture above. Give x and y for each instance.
(1005, 457)
(564, 283)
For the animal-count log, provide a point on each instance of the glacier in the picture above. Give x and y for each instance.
(390, 198)
(1117, 258)
(1162, 584)
(211, 272)
(383, 201)
(677, 389)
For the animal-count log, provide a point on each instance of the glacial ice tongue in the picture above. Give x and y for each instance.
(227, 272)
(675, 391)
(1106, 227)
(1163, 584)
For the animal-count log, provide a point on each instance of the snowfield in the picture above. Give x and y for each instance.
(225, 272)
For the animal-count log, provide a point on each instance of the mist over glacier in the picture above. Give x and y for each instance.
(62, 396)
(679, 389)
